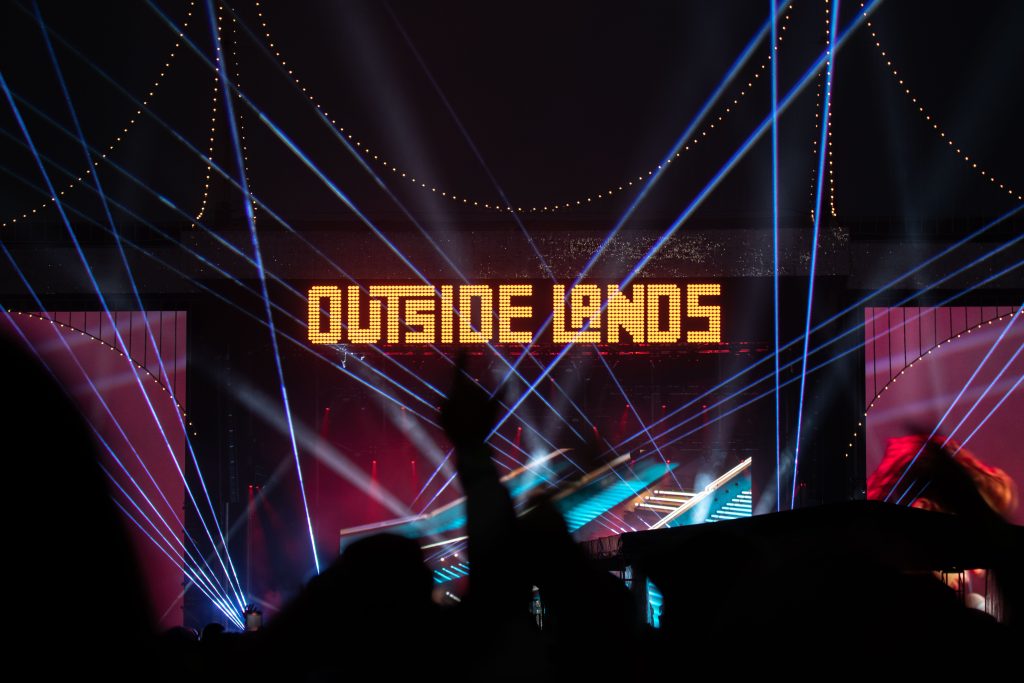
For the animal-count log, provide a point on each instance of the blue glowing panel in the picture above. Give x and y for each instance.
(596, 498)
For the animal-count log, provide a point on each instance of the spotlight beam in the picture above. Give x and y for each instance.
(380, 182)
(209, 162)
(228, 613)
(632, 409)
(259, 320)
(546, 267)
(990, 414)
(988, 388)
(814, 243)
(773, 56)
(242, 255)
(338, 193)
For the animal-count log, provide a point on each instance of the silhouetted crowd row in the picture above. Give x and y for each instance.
(732, 607)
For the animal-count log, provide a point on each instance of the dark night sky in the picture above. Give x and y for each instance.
(562, 100)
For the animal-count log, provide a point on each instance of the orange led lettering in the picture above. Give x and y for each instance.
(625, 313)
(467, 335)
(656, 334)
(362, 335)
(507, 312)
(713, 313)
(333, 333)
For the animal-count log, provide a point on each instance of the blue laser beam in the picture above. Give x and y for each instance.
(853, 349)
(744, 148)
(113, 227)
(773, 56)
(58, 204)
(258, 254)
(814, 245)
(860, 326)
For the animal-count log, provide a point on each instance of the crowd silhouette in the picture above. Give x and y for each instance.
(733, 606)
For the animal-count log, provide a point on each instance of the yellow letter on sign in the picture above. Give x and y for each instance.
(362, 335)
(333, 333)
(467, 335)
(420, 313)
(713, 313)
(627, 314)
(655, 334)
(506, 312)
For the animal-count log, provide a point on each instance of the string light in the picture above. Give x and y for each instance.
(135, 118)
(828, 118)
(827, 123)
(398, 172)
(930, 120)
(241, 118)
(89, 335)
(935, 347)
(213, 133)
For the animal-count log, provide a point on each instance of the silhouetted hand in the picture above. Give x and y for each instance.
(470, 413)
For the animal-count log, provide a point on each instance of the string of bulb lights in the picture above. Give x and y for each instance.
(930, 120)
(244, 256)
(133, 119)
(819, 99)
(422, 184)
(99, 292)
(213, 137)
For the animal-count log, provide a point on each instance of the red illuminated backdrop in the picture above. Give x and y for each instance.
(82, 350)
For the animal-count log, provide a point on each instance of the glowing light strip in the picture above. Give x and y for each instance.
(814, 250)
(704, 493)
